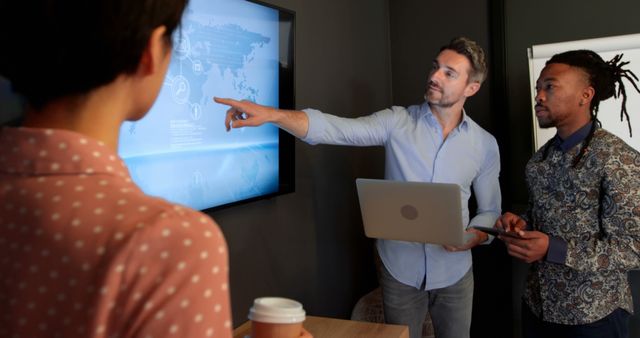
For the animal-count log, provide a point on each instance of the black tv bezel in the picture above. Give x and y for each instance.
(286, 92)
(286, 146)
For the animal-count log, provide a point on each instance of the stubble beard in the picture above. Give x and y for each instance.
(439, 102)
(545, 122)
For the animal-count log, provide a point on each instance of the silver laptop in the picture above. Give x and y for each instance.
(411, 211)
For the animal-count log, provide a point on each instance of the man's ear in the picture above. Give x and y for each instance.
(154, 53)
(471, 89)
(587, 95)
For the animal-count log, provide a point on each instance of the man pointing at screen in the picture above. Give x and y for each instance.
(432, 142)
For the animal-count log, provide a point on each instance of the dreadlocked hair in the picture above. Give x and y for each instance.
(603, 77)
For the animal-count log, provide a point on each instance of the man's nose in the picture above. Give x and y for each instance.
(436, 75)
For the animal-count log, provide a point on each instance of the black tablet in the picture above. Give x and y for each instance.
(496, 231)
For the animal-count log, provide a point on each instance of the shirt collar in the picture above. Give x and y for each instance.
(573, 139)
(35, 151)
(425, 109)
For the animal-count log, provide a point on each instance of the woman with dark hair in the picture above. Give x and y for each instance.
(83, 251)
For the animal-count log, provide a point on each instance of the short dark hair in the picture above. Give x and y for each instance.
(59, 48)
(599, 73)
(474, 53)
(602, 76)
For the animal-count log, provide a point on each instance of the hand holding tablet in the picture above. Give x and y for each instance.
(496, 232)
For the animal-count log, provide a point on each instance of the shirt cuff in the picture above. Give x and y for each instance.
(557, 252)
(315, 126)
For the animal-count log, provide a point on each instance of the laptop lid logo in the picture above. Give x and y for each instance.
(409, 212)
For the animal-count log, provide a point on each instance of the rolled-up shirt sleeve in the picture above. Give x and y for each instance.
(370, 130)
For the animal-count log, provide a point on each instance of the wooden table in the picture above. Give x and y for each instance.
(322, 327)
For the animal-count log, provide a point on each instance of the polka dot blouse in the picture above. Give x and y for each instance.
(85, 253)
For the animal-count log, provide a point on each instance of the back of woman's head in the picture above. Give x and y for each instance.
(59, 48)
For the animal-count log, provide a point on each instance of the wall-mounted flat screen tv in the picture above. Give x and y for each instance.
(180, 150)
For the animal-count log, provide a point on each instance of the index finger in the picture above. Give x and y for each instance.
(518, 225)
(226, 101)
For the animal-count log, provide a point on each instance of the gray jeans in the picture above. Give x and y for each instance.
(449, 307)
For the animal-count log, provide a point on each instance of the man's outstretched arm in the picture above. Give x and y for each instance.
(249, 114)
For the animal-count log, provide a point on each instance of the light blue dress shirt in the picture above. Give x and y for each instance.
(415, 151)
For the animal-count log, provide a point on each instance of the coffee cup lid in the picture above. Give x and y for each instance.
(276, 310)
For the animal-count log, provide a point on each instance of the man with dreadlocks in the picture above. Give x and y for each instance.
(582, 228)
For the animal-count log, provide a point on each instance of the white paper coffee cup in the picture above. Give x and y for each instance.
(276, 310)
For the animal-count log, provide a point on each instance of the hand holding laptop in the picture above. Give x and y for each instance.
(420, 212)
(472, 238)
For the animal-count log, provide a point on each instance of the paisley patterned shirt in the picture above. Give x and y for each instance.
(594, 209)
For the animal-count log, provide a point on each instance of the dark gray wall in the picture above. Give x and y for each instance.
(418, 30)
(529, 23)
(309, 245)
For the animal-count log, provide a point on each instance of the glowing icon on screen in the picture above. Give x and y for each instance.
(182, 46)
(180, 89)
(196, 111)
(197, 67)
(197, 179)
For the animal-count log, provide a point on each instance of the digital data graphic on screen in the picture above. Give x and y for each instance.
(181, 151)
